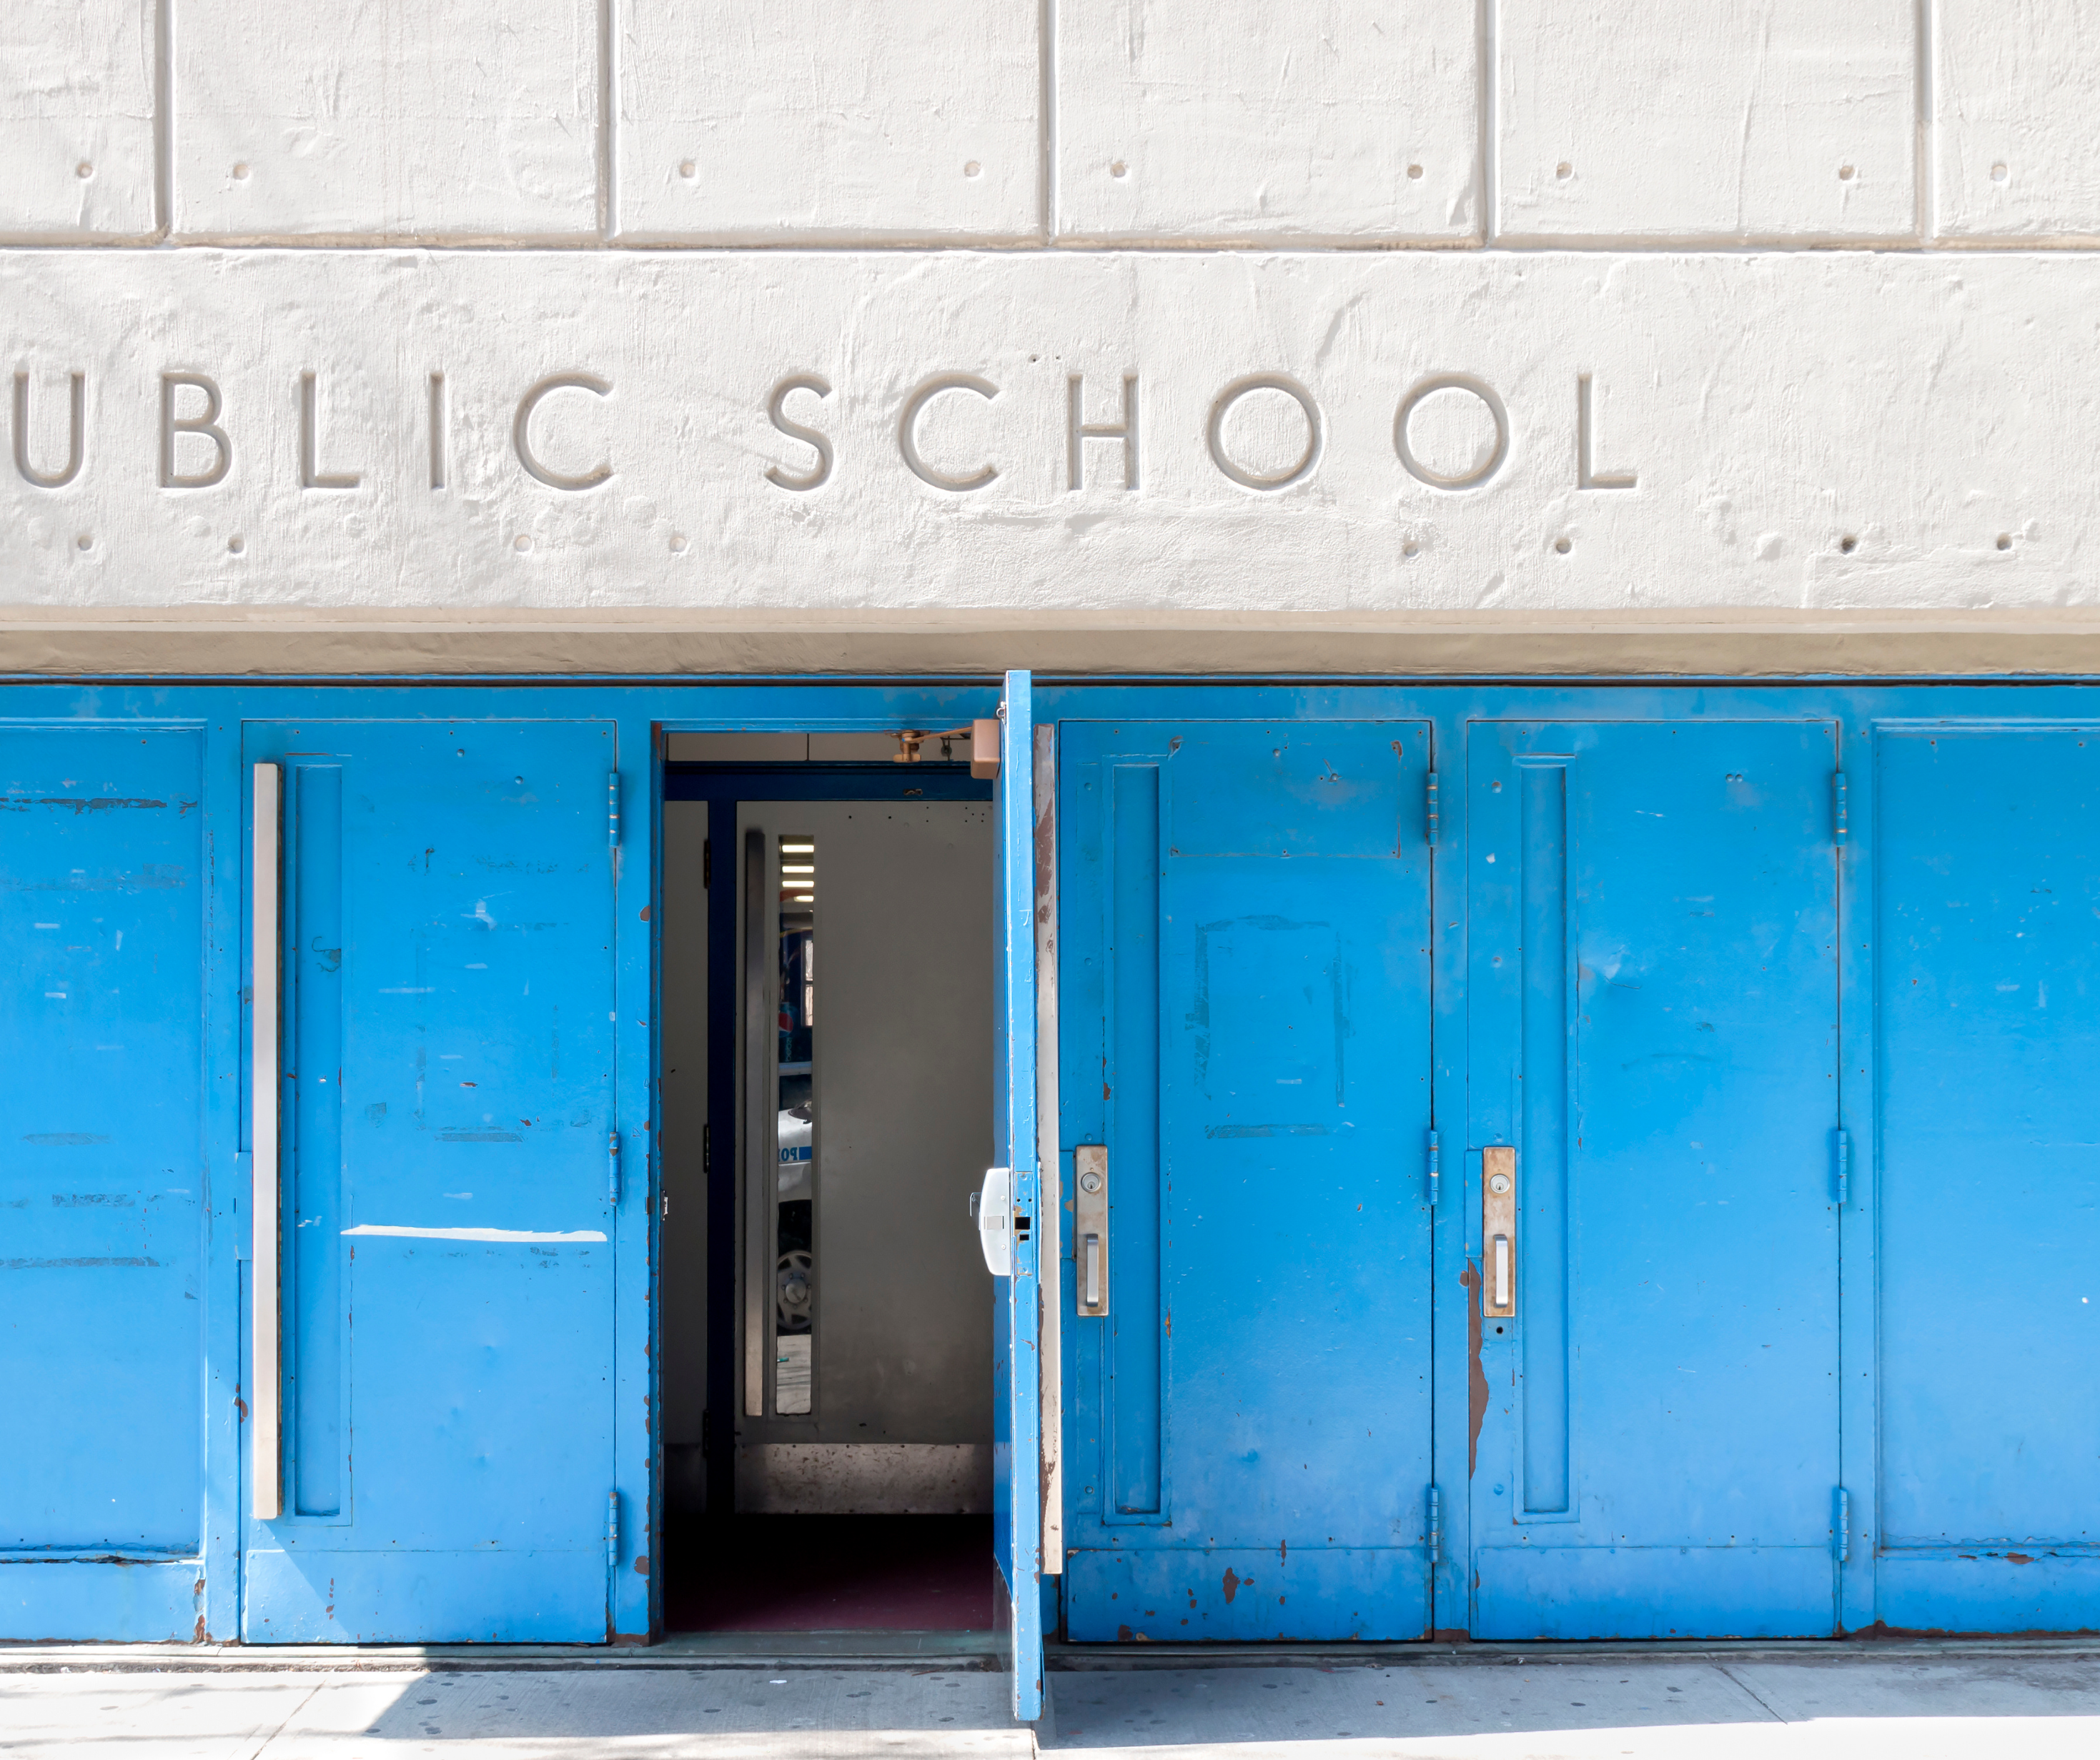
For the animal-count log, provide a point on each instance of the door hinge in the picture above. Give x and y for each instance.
(612, 1530)
(1844, 1167)
(612, 1168)
(1431, 819)
(1435, 1525)
(612, 807)
(1436, 1168)
(1844, 1536)
(707, 863)
(1839, 828)
(706, 1150)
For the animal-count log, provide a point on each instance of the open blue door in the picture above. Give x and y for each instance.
(1017, 1387)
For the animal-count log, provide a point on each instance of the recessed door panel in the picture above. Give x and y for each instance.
(446, 1185)
(1653, 1015)
(1245, 933)
(103, 895)
(1988, 995)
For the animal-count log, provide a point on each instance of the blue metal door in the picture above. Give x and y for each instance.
(1244, 966)
(1987, 993)
(102, 902)
(1017, 1319)
(1653, 955)
(446, 1175)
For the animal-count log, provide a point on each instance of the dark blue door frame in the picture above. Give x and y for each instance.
(1949, 1580)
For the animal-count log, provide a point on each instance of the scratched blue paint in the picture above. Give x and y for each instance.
(1929, 1364)
(1245, 933)
(449, 914)
(1988, 990)
(1017, 1412)
(1651, 914)
(102, 913)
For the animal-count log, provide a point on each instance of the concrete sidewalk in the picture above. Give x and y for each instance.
(1921, 1703)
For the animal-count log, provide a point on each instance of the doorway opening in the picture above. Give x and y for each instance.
(828, 954)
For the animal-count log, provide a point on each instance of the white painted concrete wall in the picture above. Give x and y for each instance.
(1824, 264)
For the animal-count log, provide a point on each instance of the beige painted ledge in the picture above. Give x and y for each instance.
(217, 643)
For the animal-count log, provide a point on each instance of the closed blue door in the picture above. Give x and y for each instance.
(102, 907)
(1244, 977)
(1988, 991)
(1652, 1008)
(444, 1305)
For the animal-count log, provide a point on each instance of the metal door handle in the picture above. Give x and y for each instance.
(265, 1077)
(995, 1213)
(1091, 1225)
(1498, 1230)
(1089, 1212)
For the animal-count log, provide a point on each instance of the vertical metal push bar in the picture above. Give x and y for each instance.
(760, 1181)
(265, 1417)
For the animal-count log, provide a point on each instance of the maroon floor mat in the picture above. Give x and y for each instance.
(829, 1573)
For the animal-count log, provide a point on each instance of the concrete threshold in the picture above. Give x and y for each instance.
(950, 1651)
(981, 1651)
(1069, 1658)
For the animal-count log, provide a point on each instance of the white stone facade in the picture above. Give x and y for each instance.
(1758, 335)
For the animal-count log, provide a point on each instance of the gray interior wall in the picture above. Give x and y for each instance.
(904, 1097)
(681, 1263)
(904, 1071)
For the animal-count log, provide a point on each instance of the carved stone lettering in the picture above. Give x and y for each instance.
(1308, 461)
(76, 444)
(1078, 430)
(907, 431)
(1481, 472)
(205, 425)
(438, 447)
(1586, 476)
(521, 431)
(817, 441)
(311, 476)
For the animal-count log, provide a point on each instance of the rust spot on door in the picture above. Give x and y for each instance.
(1232, 1584)
(1477, 1379)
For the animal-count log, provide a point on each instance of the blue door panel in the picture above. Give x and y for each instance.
(1244, 939)
(1987, 917)
(1653, 1017)
(103, 901)
(1550, 1592)
(2009, 1591)
(459, 1596)
(96, 1601)
(1228, 1595)
(448, 1289)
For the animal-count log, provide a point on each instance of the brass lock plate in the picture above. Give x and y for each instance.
(1499, 1233)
